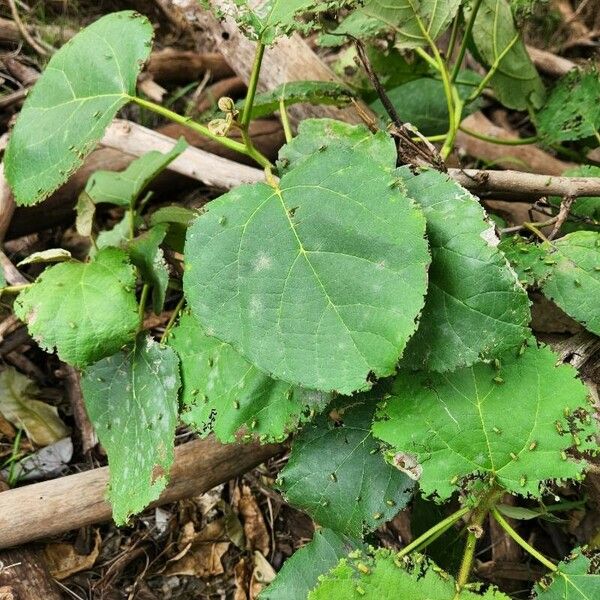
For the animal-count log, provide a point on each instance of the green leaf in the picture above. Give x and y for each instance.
(224, 393)
(85, 310)
(300, 92)
(300, 572)
(126, 187)
(318, 281)
(507, 426)
(515, 81)
(413, 21)
(53, 255)
(422, 103)
(572, 111)
(315, 135)
(20, 404)
(118, 236)
(84, 85)
(147, 255)
(178, 219)
(525, 258)
(475, 307)
(380, 575)
(131, 398)
(337, 474)
(576, 579)
(573, 281)
(269, 19)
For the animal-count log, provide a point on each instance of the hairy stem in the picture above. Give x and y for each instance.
(463, 46)
(436, 530)
(245, 148)
(517, 538)
(252, 85)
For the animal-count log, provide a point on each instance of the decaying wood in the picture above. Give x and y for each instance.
(52, 507)
(23, 576)
(7, 204)
(522, 186)
(172, 66)
(9, 32)
(549, 63)
(520, 158)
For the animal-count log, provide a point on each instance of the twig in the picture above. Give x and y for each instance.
(23, 30)
(563, 213)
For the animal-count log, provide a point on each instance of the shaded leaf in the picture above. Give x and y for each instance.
(20, 404)
(507, 426)
(147, 255)
(576, 579)
(125, 188)
(178, 219)
(131, 398)
(224, 393)
(475, 308)
(413, 21)
(516, 80)
(301, 571)
(84, 85)
(380, 576)
(572, 111)
(85, 209)
(337, 474)
(85, 310)
(317, 281)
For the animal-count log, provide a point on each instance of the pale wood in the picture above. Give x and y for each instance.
(52, 507)
(550, 63)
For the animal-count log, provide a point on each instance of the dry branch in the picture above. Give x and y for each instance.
(53, 507)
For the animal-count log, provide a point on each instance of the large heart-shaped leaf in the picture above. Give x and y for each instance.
(575, 579)
(84, 85)
(317, 281)
(300, 573)
(380, 575)
(85, 310)
(475, 307)
(337, 474)
(516, 80)
(224, 393)
(413, 21)
(511, 426)
(131, 398)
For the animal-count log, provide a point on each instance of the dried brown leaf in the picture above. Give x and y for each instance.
(63, 560)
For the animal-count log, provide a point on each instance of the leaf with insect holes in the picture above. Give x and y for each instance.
(147, 255)
(317, 281)
(328, 93)
(300, 573)
(498, 42)
(412, 21)
(84, 85)
(576, 579)
(125, 188)
(131, 398)
(268, 19)
(85, 311)
(21, 404)
(573, 280)
(224, 393)
(475, 307)
(379, 575)
(572, 111)
(512, 425)
(337, 474)
(525, 258)
(314, 135)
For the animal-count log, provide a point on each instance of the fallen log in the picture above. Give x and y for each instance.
(24, 576)
(53, 507)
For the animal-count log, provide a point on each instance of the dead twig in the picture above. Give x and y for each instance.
(23, 30)
(563, 214)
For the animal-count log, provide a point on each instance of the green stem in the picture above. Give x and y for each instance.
(483, 84)
(172, 320)
(250, 151)
(517, 538)
(142, 308)
(437, 529)
(11, 480)
(285, 121)
(252, 85)
(427, 58)
(497, 140)
(463, 46)
(453, 36)
(15, 289)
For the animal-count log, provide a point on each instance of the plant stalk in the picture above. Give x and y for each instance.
(463, 45)
(252, 85)
(172, 320)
